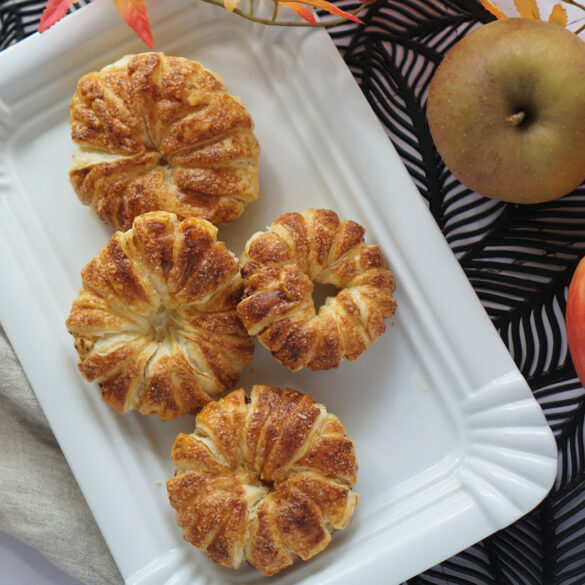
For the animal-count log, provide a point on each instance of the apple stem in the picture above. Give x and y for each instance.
(516, 119)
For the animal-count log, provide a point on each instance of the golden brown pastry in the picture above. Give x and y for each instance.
(160, 133)
(264, 479)
(279, 267)
(155, 321)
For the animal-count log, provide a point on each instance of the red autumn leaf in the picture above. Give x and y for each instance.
(301, 10)
(135, 14)
(54, 11)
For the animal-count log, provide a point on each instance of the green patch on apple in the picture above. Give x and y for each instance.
(506, 110)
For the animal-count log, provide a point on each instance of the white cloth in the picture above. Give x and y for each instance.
(40, 501)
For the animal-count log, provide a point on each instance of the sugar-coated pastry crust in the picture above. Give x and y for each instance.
(265, 479)
(155, 321)
(161, 133)
(279, 267)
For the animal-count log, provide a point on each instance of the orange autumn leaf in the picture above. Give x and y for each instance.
(494, 9)
(230, 4)
(558, 15)
(327, 6)
(527, 9)
(135, 14)
(133, 11)
(54, 11)
(301, 10)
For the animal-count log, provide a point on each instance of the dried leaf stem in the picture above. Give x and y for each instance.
(580, 6)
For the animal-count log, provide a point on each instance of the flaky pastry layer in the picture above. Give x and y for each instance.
(155, 322)
(156, 132)
(264, 479)
(279, 267)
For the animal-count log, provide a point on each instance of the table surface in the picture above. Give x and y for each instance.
(22, 565)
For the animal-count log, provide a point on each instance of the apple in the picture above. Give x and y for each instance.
(575, 320)
(506, 110)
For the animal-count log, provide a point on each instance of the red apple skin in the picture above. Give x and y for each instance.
(575, 320)
(496, 71)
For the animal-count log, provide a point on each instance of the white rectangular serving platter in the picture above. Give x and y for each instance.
(451, 444)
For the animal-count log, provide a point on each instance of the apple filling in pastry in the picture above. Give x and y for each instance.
(155, 322)
(279, 267)
(156, 132)
(264, 479)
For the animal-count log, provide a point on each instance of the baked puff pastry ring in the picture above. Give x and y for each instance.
(156, 132)
(155, 322)
(264, 479)
(279, 267)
